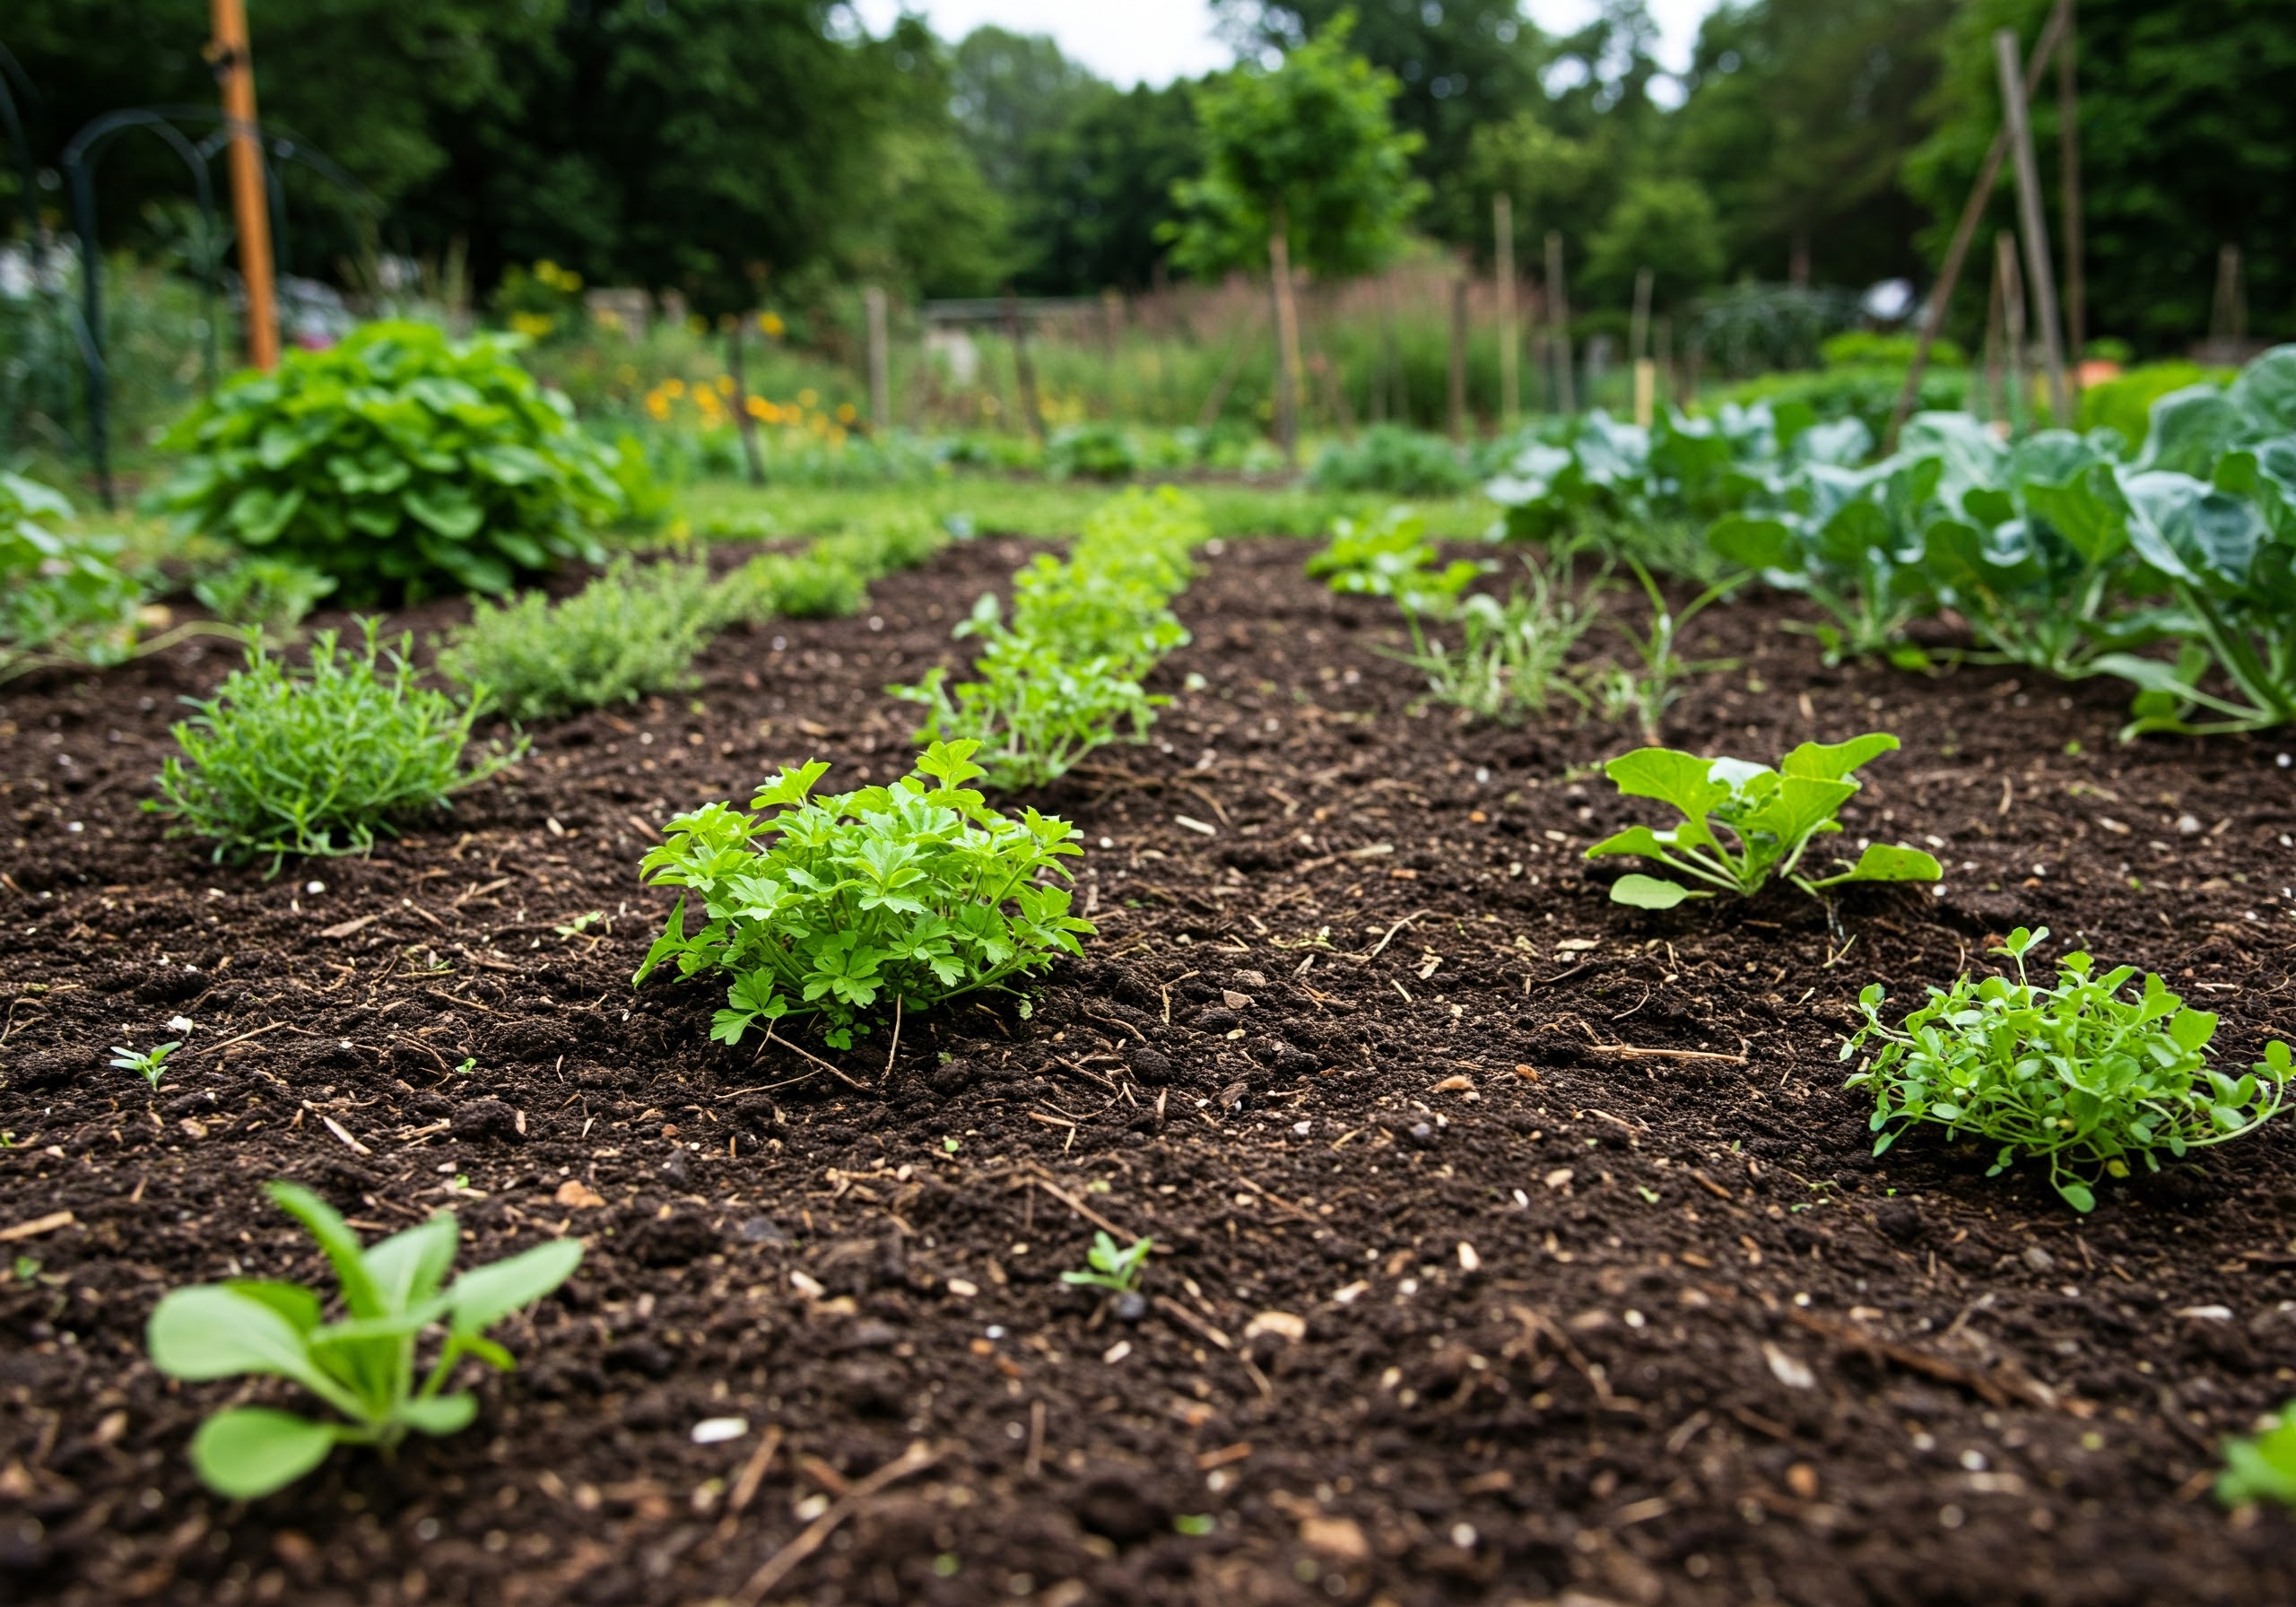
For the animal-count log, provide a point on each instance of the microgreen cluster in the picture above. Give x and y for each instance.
(317, 760)
(400, 462)
(2079, 1075)
(855, 907)
(363, 1365)
(1743, 823)
(1064, 677)
(1391, 557)
(1111, 1266)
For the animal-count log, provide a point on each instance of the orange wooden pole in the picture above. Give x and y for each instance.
(250, 210)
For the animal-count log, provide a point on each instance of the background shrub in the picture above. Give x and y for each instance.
(400, 462)
(316, 761)
(62, 598)
(1393, 460)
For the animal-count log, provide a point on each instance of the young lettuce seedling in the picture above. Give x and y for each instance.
(363, 1366)
(1743, 823)
(2262, 1467)
(151, 1064)
(1109, 1267)
(2075, 1074)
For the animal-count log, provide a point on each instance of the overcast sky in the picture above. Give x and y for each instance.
(1154, 41)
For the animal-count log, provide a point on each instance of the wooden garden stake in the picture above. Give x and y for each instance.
(1025, 374)
(1502, 218)
(1460, 358)
(1557, 312)
(1287, 336)
(2010, 289)
(250, 207)
(881, 388)
(1949, 272)
(744, 421)
(1646, 376)
(2033, 221)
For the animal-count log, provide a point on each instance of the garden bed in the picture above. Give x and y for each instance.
(1510, 1243)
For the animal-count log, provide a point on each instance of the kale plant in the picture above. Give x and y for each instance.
(400, 462)
(2079, 1074)
(316, 760)
(363, 1365)
(63, 599)
(855, 907)
(1743, 823)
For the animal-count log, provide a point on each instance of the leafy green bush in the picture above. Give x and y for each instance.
(2076, 1074)
(270, 593)
(363, 1365)
(1095, 450)
(400, 462)
(2262, 1467)
(630, 632)
(63, 599)
(859, 906)
(316, 760)
(817, 583)
(1064, 677)
(1743, 823)
(1394, 460)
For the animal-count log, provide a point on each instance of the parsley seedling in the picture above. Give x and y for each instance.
(2076, 1074)
(1743, 823)
(363, 1366)
(842, 907)
(1113, 1267)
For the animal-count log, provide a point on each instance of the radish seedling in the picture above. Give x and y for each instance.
(1743, 823)
(1110, 1267)
(151, 1064)
(364, 1366)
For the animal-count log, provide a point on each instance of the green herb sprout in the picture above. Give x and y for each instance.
(1110, 1267)
(848, 907)
(316, 761)
(150, 1064)
(363, 1366)
(1743, 823)
(2076, 1074)
(2262, 1467)
(270, 593)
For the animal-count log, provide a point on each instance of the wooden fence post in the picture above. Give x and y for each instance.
(1646, 373)
(1459, 357)
(250, 208)
(881, 386)
(1022, 372)
(2068, 180)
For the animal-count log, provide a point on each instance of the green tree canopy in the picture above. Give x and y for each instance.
(1667, 225)
(1308, 144)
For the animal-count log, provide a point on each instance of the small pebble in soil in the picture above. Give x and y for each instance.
(1130, 1305)
(677, 1170)
(1422, 1134)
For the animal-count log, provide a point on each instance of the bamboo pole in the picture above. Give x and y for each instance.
(1502, 218)
(235, 71)
(2016, 393)
(1949, 272)
(1557, 312)
(2068, 180)
(2034, 221)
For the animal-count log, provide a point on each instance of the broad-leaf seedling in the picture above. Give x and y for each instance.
(363, 1365)
(151, 1064)
(1743, 823)
(1110, 1266)
(2078, 1074)
(2262, 1467)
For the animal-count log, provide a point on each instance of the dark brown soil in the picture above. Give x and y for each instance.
(1461, 1295)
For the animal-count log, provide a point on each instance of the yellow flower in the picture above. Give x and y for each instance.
(809, 397)
(760, 408)
(770, 324)
(725, 385)
(673, 387)
(846, 412)
(534, 326)
(837, 436)
(659, 407)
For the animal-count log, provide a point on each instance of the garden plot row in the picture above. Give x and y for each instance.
(1644, 1316)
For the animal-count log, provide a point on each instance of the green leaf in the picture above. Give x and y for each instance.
(1682, 779)
(1837, 761)
(341, 1244)
(445, 508)
(485, 1295)
(213, 1332)
(293, 1301)
(439, 1415)
(1882, 862)
(2079, 1195)
(407, 1267)
(1651, 892)
(247, 1452)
